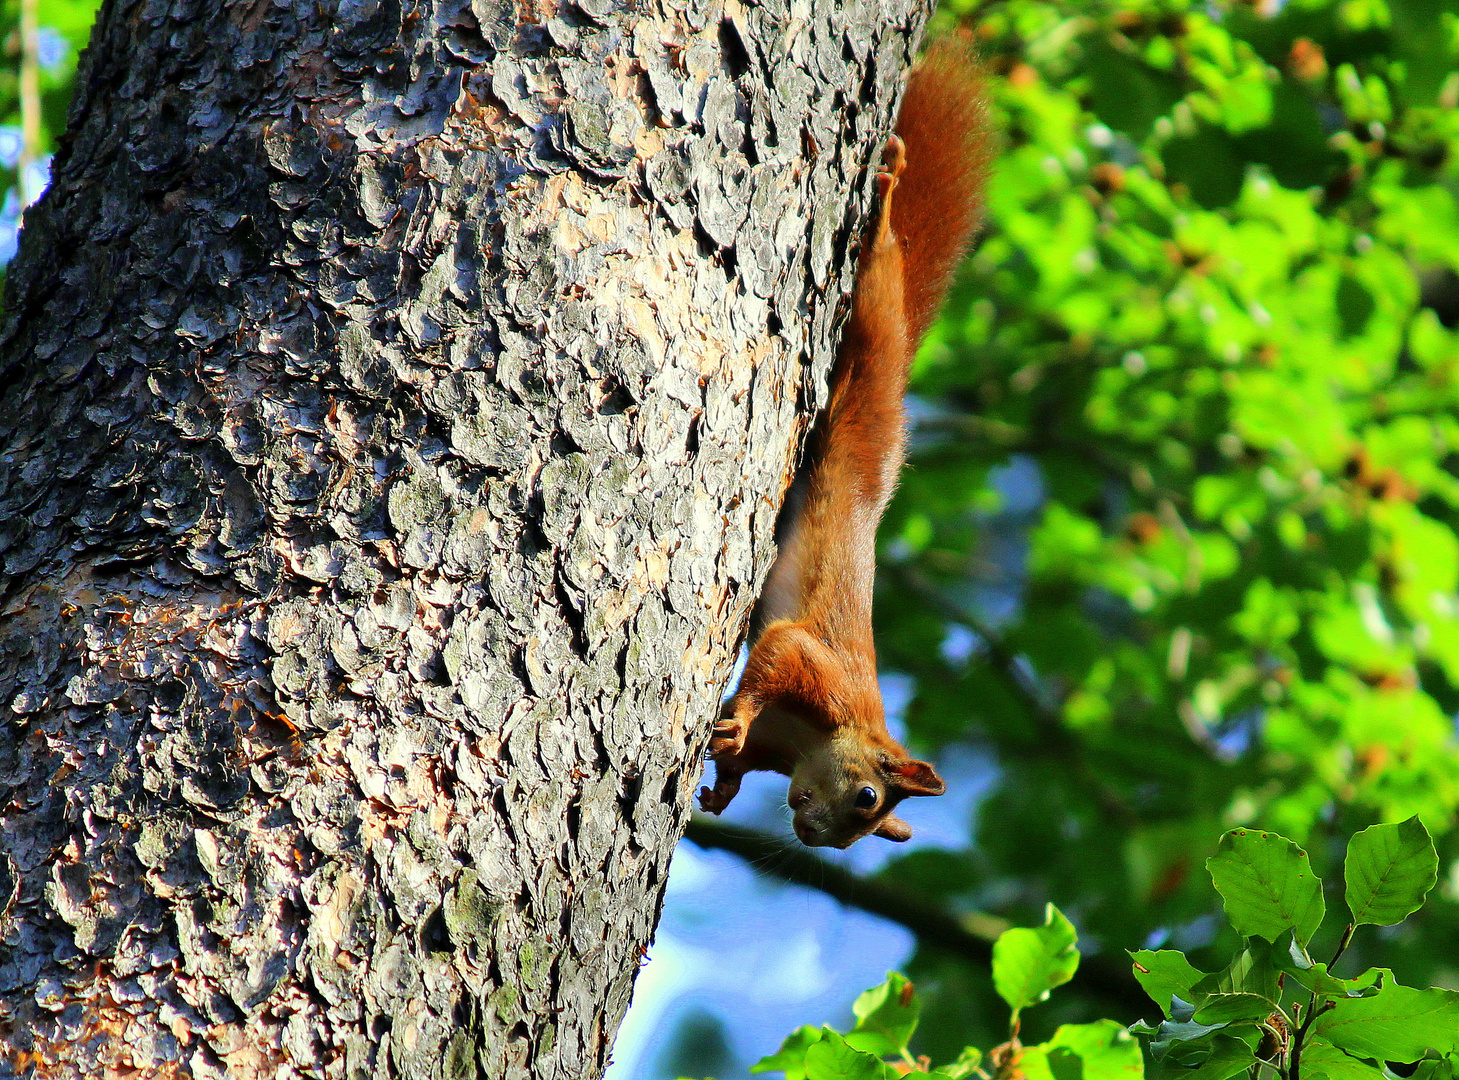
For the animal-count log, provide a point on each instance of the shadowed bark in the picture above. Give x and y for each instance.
(397, 401)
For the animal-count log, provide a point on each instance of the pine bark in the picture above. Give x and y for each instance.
(397, 402)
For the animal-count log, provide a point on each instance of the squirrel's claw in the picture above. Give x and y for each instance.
(727, 740)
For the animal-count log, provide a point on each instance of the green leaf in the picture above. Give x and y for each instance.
(1267, 885)
(832, 1059)
(1047, 1062)
(1389, 870)
(886, 1016)
(1315, 976)
(1166, 974)
(1223, 1008)
(1397, 1024)
(1106, 1049)
(1171, 1033)
(966, 1064)
(1251, 971)
(1438, 1068)
(1324, 1059)
(1029, 962)
(1229, 1056)
(790, 1058)
(1318, 981)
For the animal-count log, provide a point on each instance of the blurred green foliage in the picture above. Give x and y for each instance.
(64, 28)
(1211, 327)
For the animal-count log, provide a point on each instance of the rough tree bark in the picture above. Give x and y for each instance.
(397, 399)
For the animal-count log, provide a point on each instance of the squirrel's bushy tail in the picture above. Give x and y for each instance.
(938, 204)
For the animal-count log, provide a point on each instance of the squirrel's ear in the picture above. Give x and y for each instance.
(914, 777)
(893, 828)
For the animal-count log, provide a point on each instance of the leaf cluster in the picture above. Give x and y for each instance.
(1273, 1007)
(1271, 1011)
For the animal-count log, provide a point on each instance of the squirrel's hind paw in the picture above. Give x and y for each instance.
(894, 161)
(894, 157)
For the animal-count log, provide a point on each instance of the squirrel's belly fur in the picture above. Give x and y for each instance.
(808, 704)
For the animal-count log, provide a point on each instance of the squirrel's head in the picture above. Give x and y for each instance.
(847, 787)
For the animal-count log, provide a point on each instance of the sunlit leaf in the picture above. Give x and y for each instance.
(831, 1058)
(1103, 1050)
(1267, 884)
(790, 1058)
(886, 1016)
(1389, 870)
(1398, 1024)
(1028, 962)
(1166, 974)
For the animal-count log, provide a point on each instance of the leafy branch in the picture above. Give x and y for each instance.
(1274, 1008)
(1273, 1011)
(1027, 964)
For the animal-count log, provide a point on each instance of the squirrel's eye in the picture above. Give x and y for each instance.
(866, 798)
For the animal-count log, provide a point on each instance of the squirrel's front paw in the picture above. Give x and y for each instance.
(894, 157)
(729, 736)
(714, 800)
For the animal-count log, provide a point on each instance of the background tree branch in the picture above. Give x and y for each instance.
(968, 936)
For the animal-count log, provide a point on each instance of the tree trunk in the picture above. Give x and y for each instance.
(398, 398)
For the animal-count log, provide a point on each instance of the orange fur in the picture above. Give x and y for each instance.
(808, 704)
(940, 200)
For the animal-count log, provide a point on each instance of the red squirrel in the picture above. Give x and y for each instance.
(808, 704)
